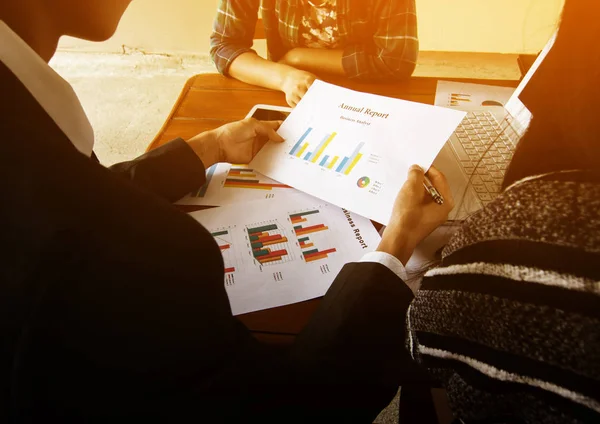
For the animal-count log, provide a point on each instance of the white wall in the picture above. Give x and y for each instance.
(501, 26)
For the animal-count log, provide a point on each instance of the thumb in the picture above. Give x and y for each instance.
(267, 129)
(416, 175)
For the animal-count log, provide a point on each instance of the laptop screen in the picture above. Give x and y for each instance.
(515, 106)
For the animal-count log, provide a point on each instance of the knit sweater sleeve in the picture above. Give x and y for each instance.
(511, 319)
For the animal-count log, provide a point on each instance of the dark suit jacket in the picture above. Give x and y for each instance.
(104, 315)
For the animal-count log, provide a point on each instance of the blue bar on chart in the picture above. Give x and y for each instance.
(314, 155)
(299, 143)
(324, 160)
(349, 162)
(342, 164)
(202, 190)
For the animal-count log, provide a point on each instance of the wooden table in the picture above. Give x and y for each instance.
(210, 100)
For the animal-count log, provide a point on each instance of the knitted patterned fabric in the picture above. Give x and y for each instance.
(510, 321)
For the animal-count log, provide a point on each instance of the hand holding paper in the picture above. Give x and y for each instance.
(354, 149)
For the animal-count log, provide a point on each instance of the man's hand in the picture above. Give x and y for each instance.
(415, 214)
(237, 142)
(295, 84)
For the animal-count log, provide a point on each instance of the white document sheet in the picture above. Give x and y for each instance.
(462, 94)
(354, 149)
(277, 253)
(227, 184)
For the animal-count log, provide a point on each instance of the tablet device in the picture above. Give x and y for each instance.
(269, 112)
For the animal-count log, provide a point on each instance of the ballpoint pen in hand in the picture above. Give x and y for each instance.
(437, 197)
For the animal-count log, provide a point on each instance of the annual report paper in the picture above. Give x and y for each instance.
(354, 149)
(277, 253)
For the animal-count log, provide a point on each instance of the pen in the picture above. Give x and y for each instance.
(437, 197)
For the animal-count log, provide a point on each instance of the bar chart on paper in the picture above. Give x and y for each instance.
(312, 235)
(277, 253)
(243, 177)
(269, 244)
(318, 154)
(224, 239)
(228, 184)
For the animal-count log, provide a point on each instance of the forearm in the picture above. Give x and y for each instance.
(253, 69)
(318, 61)
(171, 171)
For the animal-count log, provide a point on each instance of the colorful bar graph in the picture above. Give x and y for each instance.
(268, 243)
(301, 214)
(246, 178)
(352, 159)
(263, 236)
(310, 252)
(256, 230)
(299, 143)
(241, 173)
(354, 162)
(209, 174)
(332, 163)
(263, 239)
(302, 150)
(315, 257)
(315, 254)
(318, 156)
(277, 258)
(312, 229)
(260, 252)
(342, 164)
(321, 147)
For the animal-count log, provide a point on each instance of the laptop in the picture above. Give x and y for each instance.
(477, 154)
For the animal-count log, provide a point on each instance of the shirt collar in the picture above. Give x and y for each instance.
(50, 90)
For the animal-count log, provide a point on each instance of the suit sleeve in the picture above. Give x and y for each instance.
(351, 357)
(171, 171)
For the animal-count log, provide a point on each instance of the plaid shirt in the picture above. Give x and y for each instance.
(379, 37)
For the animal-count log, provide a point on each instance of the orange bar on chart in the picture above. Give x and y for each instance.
(315, 258)
(282, 240)
(264, 261)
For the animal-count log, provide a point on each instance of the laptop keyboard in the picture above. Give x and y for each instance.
(487, 150)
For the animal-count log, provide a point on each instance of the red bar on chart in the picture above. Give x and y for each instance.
(267, 238)
(324, 252)
(312, 229)
(276, 253)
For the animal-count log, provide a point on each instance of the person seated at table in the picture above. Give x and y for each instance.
(106, 316)
(113, 306)
(509, 322)
(368, 40)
